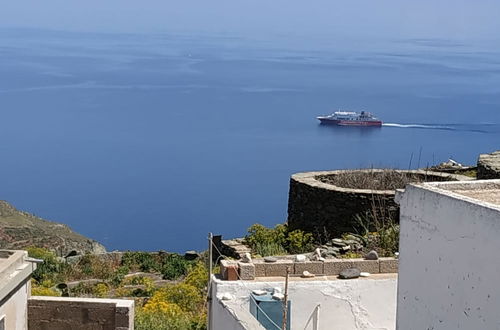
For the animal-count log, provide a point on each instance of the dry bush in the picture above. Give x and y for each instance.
(376, 180)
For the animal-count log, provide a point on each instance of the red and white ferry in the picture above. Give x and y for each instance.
(350, 118)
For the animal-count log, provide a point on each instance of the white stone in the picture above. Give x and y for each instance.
(259, 292)
(300, 258)
(364, 274)
(306, 274)
(278, 296)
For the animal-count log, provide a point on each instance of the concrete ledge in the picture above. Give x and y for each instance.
(369, 266)
(388, 265)
(224, 265)
(313, 267)
(246, 271)
(335, 266)
(278, 268)
(329, 267)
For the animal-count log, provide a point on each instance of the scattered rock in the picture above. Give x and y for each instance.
(300, 258)
(331, 252)
(488, 166)
(270, 259)
(372, 255)
(259, 292)
(246, 258)
(71, 253)
(278, 296)
(349, 273)
(338, 242)
(364, 274)
(317, 255)
(396, 255)
(191, 255)
(306, 274)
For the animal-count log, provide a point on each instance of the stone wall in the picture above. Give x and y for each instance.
(59, 313)
(318, 207)
(488, 166)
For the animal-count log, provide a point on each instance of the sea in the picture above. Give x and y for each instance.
(151, 141)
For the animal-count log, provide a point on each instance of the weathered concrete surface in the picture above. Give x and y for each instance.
(318, 207)
(364, 303)
(448, 267)
(488, 166)
(59, 313)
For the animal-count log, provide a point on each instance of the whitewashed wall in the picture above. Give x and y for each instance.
(449, 268)
(368, 303)
(15, 309)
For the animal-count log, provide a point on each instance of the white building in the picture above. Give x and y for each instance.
(448, 272)
(15, 274)
(450, 262)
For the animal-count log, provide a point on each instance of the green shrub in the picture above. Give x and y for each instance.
(163, 316)
(119, 275)
(299, 242)
(265, 249)
(198, 277)
(48, 270)
(380, 234)
(259, 234)
(92, 266)
(174, 266)
(37, 290)
(143, 261)
(278, 240)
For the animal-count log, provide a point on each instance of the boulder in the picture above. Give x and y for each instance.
(349, 273)
(488, 166)
(372, 255)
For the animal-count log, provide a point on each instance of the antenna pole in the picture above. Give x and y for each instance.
(209, 285)
(285, 299)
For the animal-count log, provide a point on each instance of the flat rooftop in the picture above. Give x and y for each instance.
(361, 303)
(482, 190)
(7, 258)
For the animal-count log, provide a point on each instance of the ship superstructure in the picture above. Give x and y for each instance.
(350, 118)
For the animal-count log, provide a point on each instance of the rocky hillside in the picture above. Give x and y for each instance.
(20, 229)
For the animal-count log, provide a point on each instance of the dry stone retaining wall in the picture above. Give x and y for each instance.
(318, 207)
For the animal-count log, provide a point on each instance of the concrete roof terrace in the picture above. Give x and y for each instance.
(481, 191)
(322, 302)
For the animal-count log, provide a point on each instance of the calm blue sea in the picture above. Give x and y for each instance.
(152, 141)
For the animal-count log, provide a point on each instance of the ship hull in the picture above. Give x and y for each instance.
(362, 123)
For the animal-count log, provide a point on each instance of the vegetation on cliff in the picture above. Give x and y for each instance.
(19, 230)
(169, 291)
(278, 240)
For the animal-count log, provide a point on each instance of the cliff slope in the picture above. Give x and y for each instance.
(20, 229)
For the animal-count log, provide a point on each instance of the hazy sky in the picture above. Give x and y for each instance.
(408, 18)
